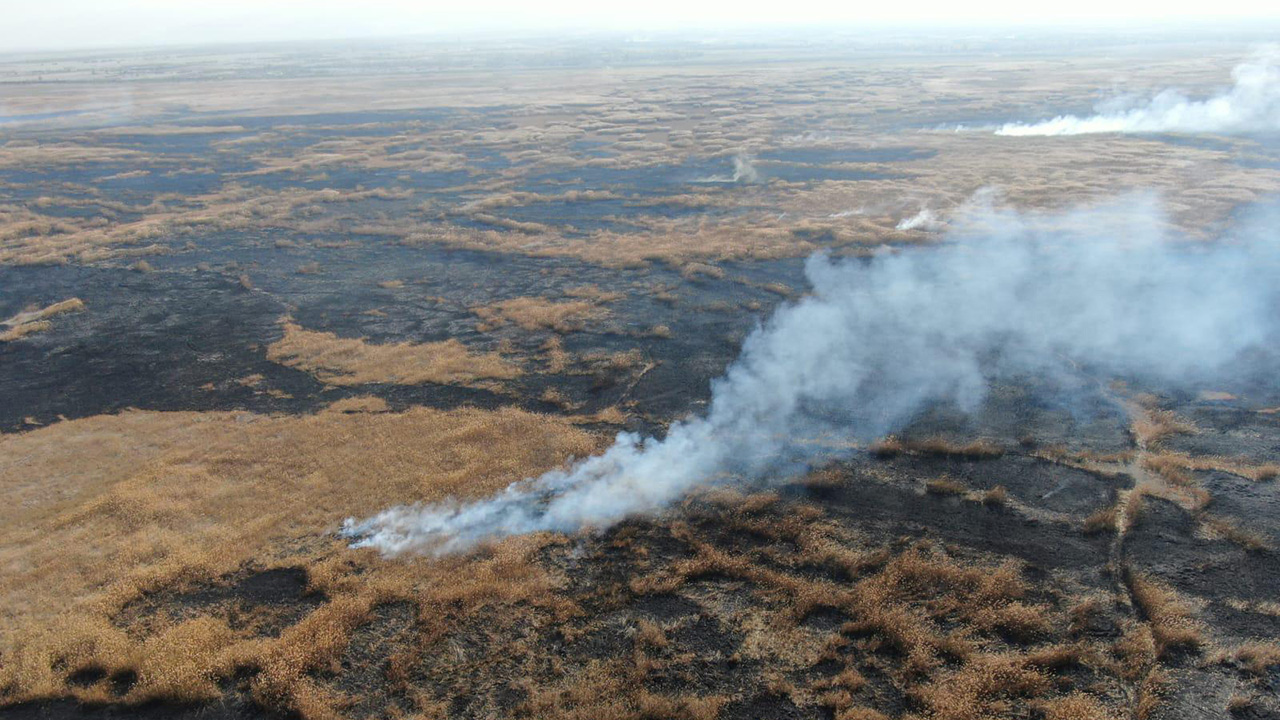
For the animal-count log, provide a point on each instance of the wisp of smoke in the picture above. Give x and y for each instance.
(923, 220)
(744, 172)
(1251, 105)
(879, 339)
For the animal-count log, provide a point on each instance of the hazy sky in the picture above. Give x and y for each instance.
(57, 24)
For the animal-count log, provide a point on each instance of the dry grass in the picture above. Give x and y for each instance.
(1102, 521)
(25, 329)
(995, 497)
(694, 270)
(1264, 607)
(1172, 619)
(352, 361)
(1169, 464)
(944, 486)
(35, 314)
(1258, 658)
(35, 320)
(102, 510)
(594, 294)
(1151, 427)
(1250, 540)
(936, 446)
(359, 404)
(1151, 694)
(535, 313)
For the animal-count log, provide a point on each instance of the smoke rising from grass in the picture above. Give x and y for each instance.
(744, 172)
(879, 339)
(1252, 104)
(923, 220)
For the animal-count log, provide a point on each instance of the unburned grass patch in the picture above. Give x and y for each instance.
(353, 361)
(36, 319)
(535, 313)
(106, 510)
(936, 446)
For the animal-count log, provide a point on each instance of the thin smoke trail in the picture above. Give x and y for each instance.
(1251, 105)
(880, 339)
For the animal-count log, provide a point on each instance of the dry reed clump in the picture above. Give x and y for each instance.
(1076, 706)
(694, 270)
(25, 329)
(1102, 521)
(893, 446)
(352, 361)
(997, 496)
(985, 687)
(1248, 539)
(1151, 427)
(944, 486)
(615, 690)
(36, 320)
(594, 294)
(1258, 658)
(1175, 466)
(861, 713)
(1151, 692)
(1264, 607)
(925, 608)
(1172, 619)
(103, 510)
(359, 404)
(535, 313)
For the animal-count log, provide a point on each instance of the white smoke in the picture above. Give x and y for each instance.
(923, 220)
(879, 339)
(744, 170)
(1252, 104)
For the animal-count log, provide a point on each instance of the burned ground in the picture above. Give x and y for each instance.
(292, 312)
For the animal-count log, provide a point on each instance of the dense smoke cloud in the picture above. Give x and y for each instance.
(880, 339)
(1251, 105)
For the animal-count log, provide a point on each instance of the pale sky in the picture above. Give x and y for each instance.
(62, 24)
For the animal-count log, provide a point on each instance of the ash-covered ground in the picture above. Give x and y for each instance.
(249, 295)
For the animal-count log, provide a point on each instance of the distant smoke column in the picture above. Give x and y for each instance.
(877, 340)
(1251, 105)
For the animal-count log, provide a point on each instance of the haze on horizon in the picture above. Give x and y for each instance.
(80, 24)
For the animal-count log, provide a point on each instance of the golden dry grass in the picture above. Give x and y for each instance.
(1172, 618)
(58, 308)
(352, 361)
(1250, 540)
(944, 486)
(536, 313)
(1101, 521)
(1168, 463)
(1151, 427)
(25, 329)
(997, 496)
(1258, 658)
(100, 511)
(1076, 706)
(359, 404)
(936, 446)
(35, 320)
(594, 294)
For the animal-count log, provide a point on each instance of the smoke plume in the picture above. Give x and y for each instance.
(923, 220)
(1251, 105)
(879, 339)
